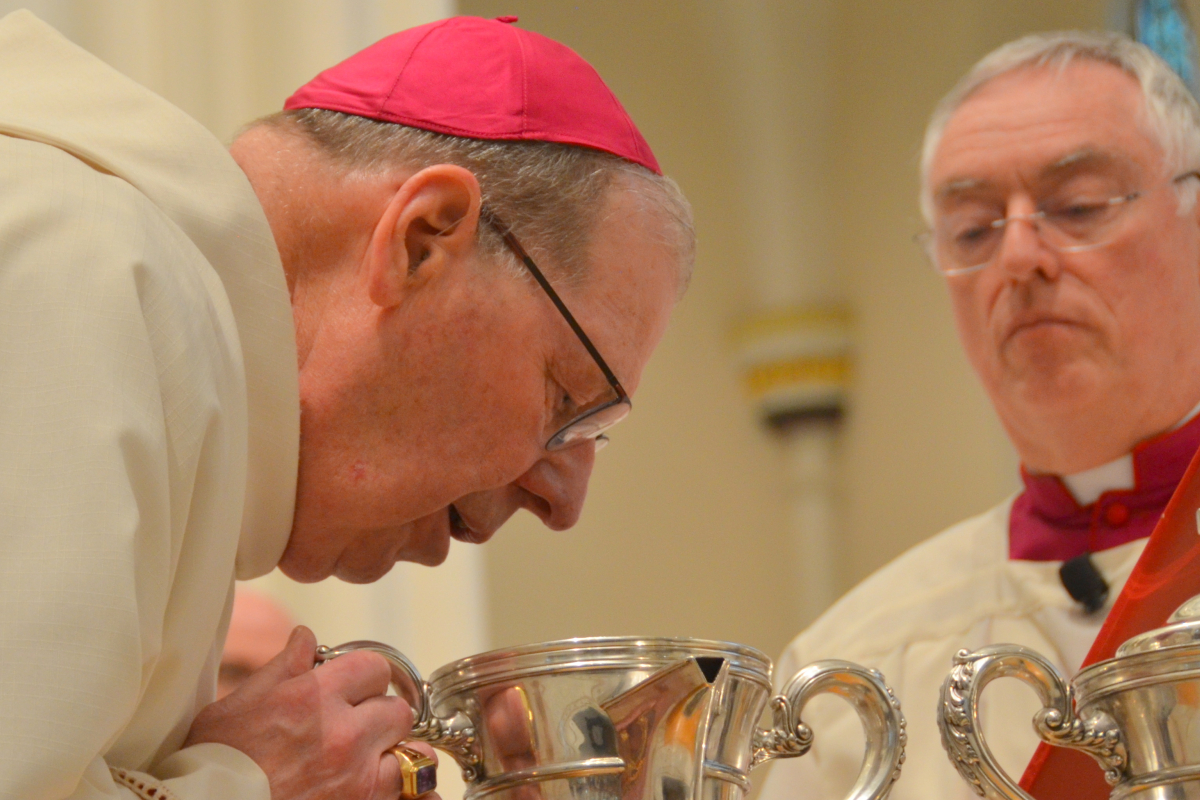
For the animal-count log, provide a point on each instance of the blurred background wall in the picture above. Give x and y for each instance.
(794, 127)
(687, 531)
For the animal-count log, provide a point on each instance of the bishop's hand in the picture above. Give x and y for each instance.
(316, 733)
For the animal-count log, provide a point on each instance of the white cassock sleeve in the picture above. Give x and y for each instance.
(122, 478)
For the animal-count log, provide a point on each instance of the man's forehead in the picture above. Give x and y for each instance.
(1082, 83)
(628, 293)
(1047, 122)
(633, 235)
(1086, 159)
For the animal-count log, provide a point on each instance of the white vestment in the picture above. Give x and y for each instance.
(956, 590)
(149, 427)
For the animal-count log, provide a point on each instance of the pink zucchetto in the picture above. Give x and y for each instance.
(481, 79)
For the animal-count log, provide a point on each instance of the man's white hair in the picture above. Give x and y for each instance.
(552, 195)
(1172, 113)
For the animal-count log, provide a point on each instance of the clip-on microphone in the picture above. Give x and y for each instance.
(1084, 583)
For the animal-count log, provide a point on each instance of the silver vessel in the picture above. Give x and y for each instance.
(626, 718)
(1137, 714)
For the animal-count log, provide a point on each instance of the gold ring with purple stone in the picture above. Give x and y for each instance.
(418, 772)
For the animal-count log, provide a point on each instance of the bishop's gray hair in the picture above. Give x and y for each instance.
(1171, 112)
(551, 195)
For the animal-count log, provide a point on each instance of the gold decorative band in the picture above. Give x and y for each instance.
(761, 379)
(796, 362)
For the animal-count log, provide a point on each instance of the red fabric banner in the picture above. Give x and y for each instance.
(1167, 574)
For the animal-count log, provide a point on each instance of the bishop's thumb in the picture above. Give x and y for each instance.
(296, 659)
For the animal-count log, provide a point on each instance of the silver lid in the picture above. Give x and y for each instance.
(1182, 629)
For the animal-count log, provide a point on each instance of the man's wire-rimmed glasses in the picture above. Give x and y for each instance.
(962, 244)
(592, 422)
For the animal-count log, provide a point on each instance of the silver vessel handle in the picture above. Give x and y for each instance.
(1056, 723)
(455, 735)
(876, 705)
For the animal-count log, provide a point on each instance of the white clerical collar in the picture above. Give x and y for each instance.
(1087, 486)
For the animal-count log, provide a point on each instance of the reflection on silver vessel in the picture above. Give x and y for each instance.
(1137, 714)
(625, 718)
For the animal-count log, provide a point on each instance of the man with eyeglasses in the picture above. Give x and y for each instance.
(389, 317)
(1059, 186)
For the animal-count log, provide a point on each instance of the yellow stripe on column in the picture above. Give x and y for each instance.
(762, 379)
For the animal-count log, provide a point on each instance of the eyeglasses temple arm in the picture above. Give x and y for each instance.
(505, 233)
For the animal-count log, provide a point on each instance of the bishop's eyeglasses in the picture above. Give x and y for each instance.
(961, 243)
(591, 423)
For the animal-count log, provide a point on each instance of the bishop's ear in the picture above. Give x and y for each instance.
(428, 225)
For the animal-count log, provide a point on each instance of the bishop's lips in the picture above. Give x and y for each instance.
(1028, 321)
(460, 530)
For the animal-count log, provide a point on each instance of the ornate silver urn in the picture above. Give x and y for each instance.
(626, 718)
(1137, 714)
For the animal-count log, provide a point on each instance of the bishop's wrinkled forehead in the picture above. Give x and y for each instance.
(1172, 112)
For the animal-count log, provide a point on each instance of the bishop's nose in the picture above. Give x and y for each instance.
(557, 485)
(1023, 250)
